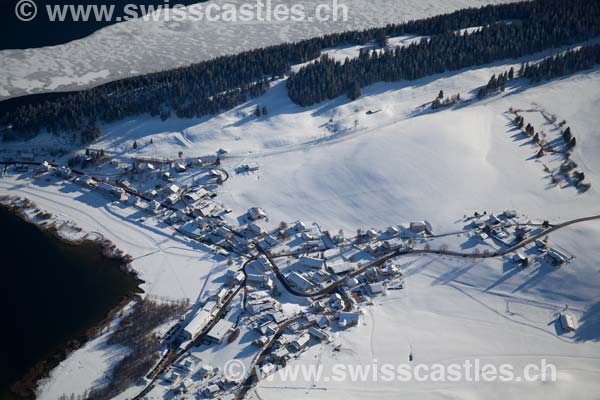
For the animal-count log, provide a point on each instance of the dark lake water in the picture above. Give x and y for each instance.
(51, 292)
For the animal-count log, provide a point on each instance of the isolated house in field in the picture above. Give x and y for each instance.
(312, 262)
(255, 213)
(567, 322)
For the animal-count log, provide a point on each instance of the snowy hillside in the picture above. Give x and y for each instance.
(394, 164)
(137, 46)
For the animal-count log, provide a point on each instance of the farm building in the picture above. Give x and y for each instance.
(420, 226)
(347, 319)
(300, 342)
(255, 213)
(255, 228)
(556, 257)
(318, 333)
(220, 331)
(196, 325)
(299, 281)
(312, 262)
(567, 322)
(174, 189)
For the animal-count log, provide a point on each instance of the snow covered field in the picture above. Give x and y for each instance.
(396, 165)
(137, 46)
(342, 166)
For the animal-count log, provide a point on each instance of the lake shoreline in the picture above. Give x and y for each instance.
(27, 385)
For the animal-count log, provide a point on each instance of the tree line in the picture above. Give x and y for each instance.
(563, 64)
(222, 83)
(571, 61)
(548, 23)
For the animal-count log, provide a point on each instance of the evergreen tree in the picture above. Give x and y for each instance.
(353, 91)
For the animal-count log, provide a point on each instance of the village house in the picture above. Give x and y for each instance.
(261, 341)
(556, 257)
(420, 227)
(376, 288)
(318, 334)
(300, 342)
(299, 281)
(220, 331)
(172, 189)
(45, 167)
(255, 213)
(312, 262)
(255, 228)
(260, 281)
(392, 231)
(347, 319)
(179, 167)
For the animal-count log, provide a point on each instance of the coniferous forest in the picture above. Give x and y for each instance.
(509, 30)
(548, 24)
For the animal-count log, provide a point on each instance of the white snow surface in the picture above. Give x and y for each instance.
(140, 46)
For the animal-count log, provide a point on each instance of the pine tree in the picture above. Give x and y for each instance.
(134, 145)
(353, 91)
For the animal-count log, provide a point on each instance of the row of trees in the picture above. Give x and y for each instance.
(222, 83)
(548, 23)
(559, 65)
(563, 64)
(496, 83)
